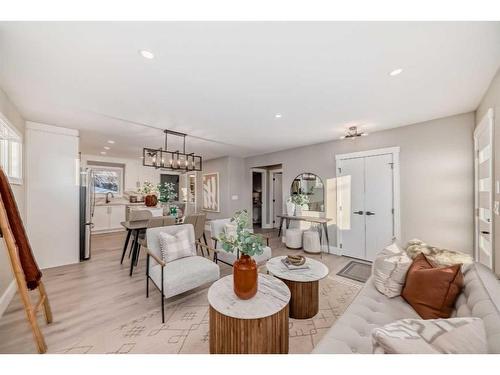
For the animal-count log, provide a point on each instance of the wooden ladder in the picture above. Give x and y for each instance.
(30, 308)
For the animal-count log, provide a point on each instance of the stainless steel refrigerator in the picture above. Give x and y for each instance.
(87, 204)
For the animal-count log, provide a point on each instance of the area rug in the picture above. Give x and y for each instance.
(356, 270)
(186, 326)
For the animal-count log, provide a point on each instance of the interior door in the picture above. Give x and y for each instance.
(379, 213)
(351, 195)
(277, 197)
(483, 138)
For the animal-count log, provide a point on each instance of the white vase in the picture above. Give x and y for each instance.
(290, 208)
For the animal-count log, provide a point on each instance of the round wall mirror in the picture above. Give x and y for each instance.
(310, 185)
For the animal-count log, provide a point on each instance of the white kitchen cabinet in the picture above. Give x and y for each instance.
(108, 218)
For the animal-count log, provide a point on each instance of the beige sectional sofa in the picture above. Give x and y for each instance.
(352, 332)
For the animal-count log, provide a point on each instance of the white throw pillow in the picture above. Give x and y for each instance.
(433, 336)
(437, 256)
(176, 246)
(389, 270)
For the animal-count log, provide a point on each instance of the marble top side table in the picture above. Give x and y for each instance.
(258, 325)
(303, 284)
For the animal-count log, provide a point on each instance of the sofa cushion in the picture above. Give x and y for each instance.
(481, 298)
(438, 257)
(432, 291)
(389, 270)
(434, 336)
(351, 333)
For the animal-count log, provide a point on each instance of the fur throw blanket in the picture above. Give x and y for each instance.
(439, 257)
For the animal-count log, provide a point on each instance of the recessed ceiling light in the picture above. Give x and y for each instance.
(107, 148)
(278, 115)
(147, 54)
(111, 142)
(396, 72)
(103, 152)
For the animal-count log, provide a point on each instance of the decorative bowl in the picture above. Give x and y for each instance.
(296, 260)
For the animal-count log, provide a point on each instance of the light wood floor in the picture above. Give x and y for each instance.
(90, 296)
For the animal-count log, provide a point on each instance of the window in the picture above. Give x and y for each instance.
(108, 180)
(11, 151)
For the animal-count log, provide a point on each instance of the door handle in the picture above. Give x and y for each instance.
(485, 232)
(369, 213)
(358, 212)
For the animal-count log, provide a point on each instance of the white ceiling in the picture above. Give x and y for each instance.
(226, 81)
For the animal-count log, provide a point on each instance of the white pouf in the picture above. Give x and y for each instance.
(293, 238)
(311, 242)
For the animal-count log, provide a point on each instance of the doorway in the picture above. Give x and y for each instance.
(484, 188)
(367, 202)
(257, 198)
(277, 196)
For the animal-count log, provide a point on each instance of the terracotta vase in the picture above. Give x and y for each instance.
(151, 200)
(245, 277)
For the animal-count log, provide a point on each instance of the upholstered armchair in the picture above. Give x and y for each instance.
(217, 227)
(178, 276)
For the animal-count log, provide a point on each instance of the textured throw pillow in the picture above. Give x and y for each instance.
(438, 257)
(389, 270)
(176, 246)
(437, 336)
(432, 291)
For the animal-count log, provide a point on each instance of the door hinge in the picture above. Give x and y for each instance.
(340, 208)
(340, 246)
(274, 179)
(340, 170)
(392, 210)
(392, 165)
(274, 222)
(274, 200)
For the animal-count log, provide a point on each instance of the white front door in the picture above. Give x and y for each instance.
(378, 203)
(366, 212)
(351, 188)
(483, 143)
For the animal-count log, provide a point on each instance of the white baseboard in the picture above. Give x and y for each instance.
(5, 299)
(267, 226)
(332, 250)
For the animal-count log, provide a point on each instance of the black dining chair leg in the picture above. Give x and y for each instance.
(134, 254)
(137, 255)
(125, 246)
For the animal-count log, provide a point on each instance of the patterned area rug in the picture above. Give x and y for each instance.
(355, 270)
(186, 326)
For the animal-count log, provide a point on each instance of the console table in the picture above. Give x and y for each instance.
(323, 221)
(258, 325)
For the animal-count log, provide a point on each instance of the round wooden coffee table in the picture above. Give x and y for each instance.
(258, 325)
(303, 284)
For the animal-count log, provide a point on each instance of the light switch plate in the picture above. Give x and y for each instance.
(496, 208)
(497, 187)
(234, 197)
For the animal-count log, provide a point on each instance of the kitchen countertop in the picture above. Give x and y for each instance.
(117, 202)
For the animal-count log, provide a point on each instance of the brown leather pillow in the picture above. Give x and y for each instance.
(432, 291)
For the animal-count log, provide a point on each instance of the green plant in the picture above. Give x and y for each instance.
(242, 240)
(148, 188)
(299, 199)
(167, 192)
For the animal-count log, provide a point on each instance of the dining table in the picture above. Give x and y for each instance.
(134, 228)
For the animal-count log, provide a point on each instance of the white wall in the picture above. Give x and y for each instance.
(436, 177)
(52, 194)
(491, 99)
(6, 278)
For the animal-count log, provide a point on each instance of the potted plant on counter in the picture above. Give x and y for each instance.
(150, 192)
(237, 237)
(167, 195)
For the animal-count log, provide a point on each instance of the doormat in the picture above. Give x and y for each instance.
(356, 270)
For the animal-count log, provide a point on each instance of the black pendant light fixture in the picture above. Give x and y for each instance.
(171, 160)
